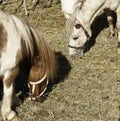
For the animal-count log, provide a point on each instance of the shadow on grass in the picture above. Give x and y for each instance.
(97, 26)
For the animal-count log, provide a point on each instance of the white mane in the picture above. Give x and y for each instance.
(20, 29)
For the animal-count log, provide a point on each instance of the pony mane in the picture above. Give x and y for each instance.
(24, 32)
(70, 22)
(20, 29)
(47, 56)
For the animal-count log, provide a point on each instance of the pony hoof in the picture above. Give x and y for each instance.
(111, 35)
(10, 116)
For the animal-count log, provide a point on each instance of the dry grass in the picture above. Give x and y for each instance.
(91, 91)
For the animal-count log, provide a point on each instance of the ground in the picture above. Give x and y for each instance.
(90, 90)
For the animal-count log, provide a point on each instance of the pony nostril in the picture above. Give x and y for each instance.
(75, 38)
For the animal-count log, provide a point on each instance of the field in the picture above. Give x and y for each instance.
(86, 89)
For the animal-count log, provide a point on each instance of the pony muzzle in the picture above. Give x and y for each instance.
(32, 88)
(75, 52)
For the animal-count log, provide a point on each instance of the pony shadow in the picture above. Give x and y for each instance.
(21, 82)
(64, 68)
(97, 26)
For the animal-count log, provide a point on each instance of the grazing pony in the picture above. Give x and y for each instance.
(81, 15)
(18, 41)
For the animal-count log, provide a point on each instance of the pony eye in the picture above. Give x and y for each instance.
(77, 26)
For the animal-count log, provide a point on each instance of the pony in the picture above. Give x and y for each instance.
(80, 16)
(19, 42)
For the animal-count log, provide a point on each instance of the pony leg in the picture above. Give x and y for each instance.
(118, 28)
(8, 97)
(111, 26)
(110, 22)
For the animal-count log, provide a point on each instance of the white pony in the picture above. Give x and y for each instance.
(81, 14)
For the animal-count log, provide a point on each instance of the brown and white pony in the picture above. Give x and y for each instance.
(81, 14)
(19, 41)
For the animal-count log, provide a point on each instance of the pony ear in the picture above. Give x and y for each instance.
(67, 16)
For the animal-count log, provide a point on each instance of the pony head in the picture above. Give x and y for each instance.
(79, 33)
(37, 79)
(43, 66)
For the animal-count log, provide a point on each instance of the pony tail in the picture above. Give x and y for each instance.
(47, 56)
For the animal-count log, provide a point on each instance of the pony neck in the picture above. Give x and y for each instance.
(90, 10)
